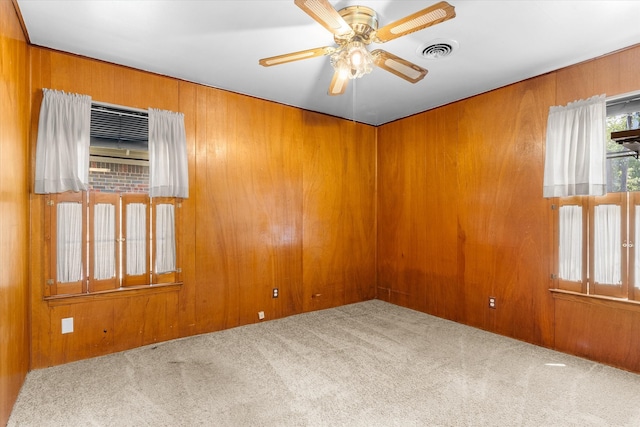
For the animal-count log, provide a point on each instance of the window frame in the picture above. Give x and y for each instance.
(141, 279)
(609, 289)
(176, 275)
(568, 285)
(93, 284)
(626, 291)
(87, 285)
(52, 285)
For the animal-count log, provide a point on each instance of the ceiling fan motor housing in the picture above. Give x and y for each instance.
(362, 19)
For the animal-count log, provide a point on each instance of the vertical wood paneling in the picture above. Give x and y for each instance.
(153, 319)
(458, 218)
(101, 326)
(145, 90)
(600, 331)
(267, 181)
(612, 74)
(628, 68)
(493, 177)
(93, 325)
(248, 181)
(215, 126)
(445, 293)
(402, 201)
(285, 198)
(187, 298)
(483, 171)
(504, 217)
(339, 212)
(417, 218)
(14, 208)
(250, 167)
(40, 313)
(575, 83)
(358, 227)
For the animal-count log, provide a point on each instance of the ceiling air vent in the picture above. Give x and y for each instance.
(437, 49)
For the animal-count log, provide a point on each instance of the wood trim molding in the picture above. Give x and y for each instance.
(131, 291)
(599, 300)
(21, 20)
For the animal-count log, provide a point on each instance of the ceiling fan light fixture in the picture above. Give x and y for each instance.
(353, 59)
(355, 27)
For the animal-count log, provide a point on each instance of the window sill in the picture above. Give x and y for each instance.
(599, 300)
(115, 293)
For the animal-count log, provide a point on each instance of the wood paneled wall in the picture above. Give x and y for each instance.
(462, 217)
(604, 331)
(279, 198)
(445, 207)
(14, 208)
(339, 218)
(417, 213)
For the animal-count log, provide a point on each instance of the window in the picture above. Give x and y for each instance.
(100, 242)
(596, 245)
(119, 149)
(623, 166)
(596, 237)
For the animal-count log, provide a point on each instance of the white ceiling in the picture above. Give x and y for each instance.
(219, 43)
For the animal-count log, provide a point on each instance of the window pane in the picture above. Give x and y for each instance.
(165, 238)
(104, 223)
(623, 173)
(136, 238)
(570, 251)
(607, 245)
(69, 242)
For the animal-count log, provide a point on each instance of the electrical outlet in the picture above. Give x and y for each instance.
(275, 292)
(492, 302)
(261, 315)
(67, 325)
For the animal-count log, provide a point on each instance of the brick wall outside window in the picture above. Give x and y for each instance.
(119, 178)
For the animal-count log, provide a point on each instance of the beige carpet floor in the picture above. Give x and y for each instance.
(365, 364)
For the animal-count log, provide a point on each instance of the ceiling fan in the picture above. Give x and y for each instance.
(355, 27)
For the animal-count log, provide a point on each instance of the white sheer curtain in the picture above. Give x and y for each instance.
(168, 168)
(136, 238)
(62, 147)
(576, 149)
(607, 251)
(570, 252)
(104, 223)
(165, 238)
(69, 242)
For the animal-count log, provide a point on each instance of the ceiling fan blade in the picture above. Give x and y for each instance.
(432, 15)
(326, 15)
(296, 56)
(338, 83)
(398, 66)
